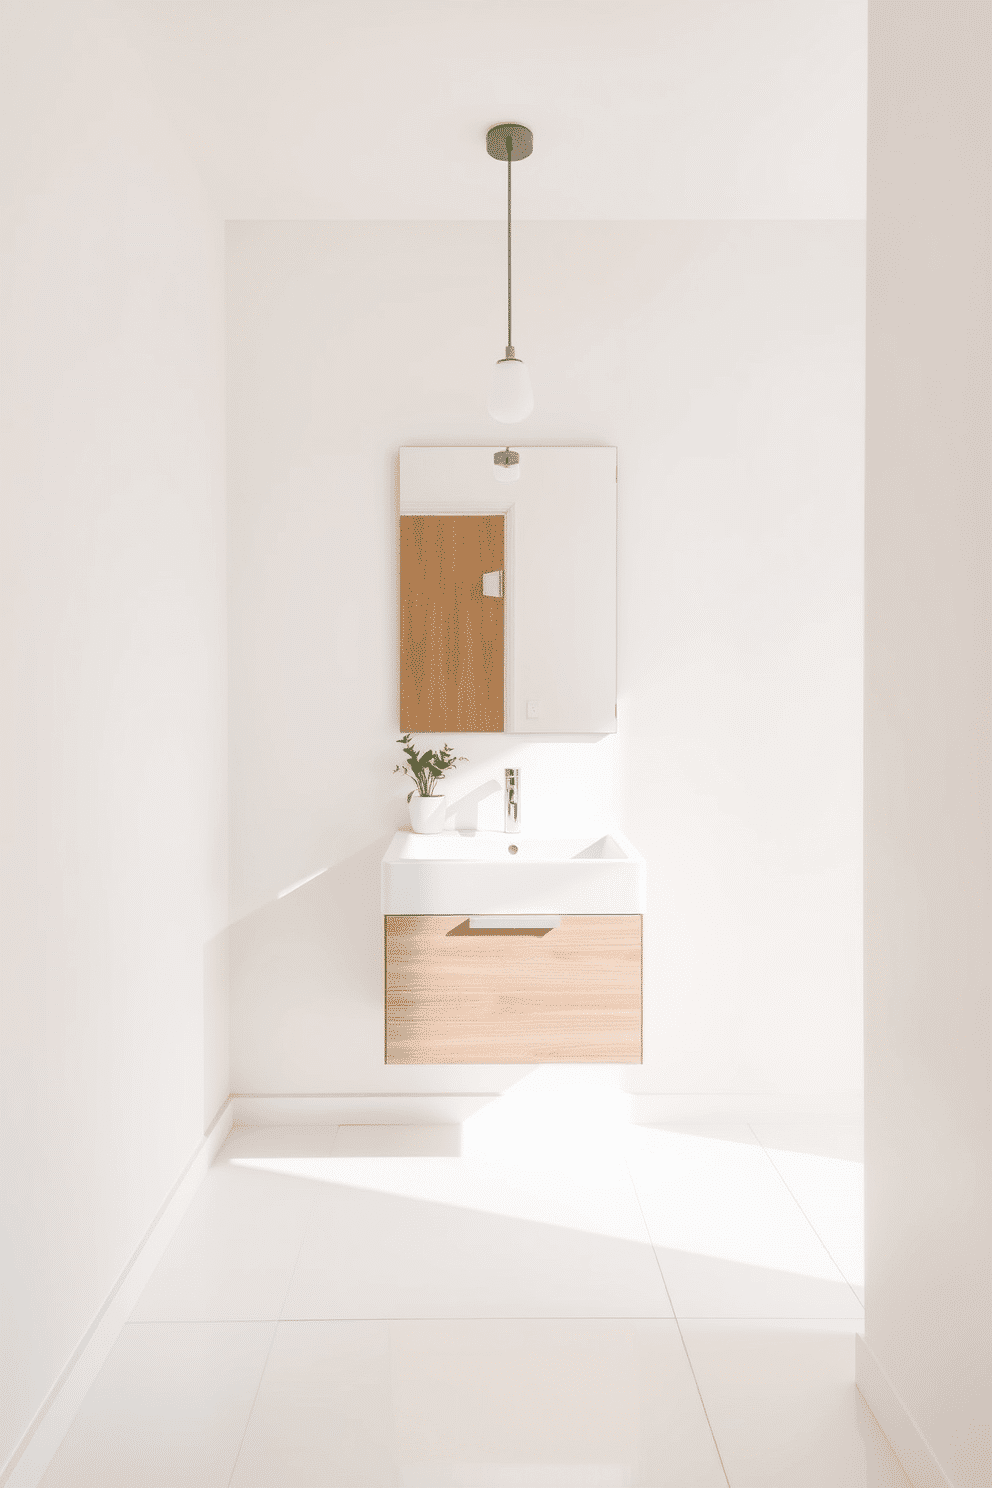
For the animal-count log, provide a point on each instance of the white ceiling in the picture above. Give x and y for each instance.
(676, 109)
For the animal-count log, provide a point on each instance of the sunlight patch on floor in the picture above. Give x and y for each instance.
(531, 1157)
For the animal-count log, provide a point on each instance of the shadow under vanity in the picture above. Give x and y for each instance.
(499, 947)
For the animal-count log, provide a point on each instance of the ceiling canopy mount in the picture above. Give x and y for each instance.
(519, 137)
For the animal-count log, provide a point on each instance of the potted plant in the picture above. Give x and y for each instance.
(427, 806)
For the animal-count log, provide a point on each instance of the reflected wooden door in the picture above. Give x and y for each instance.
(451, 634)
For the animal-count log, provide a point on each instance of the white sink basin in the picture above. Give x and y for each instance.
(506, 873)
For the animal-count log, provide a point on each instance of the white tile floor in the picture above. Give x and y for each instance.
(603, 1305)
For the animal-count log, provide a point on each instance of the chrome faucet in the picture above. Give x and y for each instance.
(511, 801)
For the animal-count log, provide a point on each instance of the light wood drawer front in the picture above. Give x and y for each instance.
(566, 996)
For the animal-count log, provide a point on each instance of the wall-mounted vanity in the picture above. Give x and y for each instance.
(503, 949)
(507, 950)
(508, 596)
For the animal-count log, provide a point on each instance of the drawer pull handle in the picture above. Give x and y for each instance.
(514, 922)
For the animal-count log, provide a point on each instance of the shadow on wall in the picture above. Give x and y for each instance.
(305, 974)
(466, 813)
(292, 993)
(306, 1007)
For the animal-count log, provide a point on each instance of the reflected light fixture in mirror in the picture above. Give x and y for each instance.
(506, 464)
(511, 397)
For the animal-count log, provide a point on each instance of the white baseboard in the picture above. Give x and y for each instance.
(426, 1109)
(907, 1440)
(357, 1110)
(32, 1455)
(715, 1106)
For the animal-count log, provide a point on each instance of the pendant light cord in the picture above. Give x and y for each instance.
(509, 209)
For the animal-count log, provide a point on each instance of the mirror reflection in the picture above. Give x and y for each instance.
(508, 592)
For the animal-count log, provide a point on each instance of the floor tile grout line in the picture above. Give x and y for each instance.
(275, 1334)
(254, 1402)
(802, 1211)
(272, 1340)
(304, 1228)
(839, 1323)
(685, 1349)
(197, 1322)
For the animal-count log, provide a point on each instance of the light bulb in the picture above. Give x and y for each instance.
(511, 397)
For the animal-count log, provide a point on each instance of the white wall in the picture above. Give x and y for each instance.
(112, 674)
(928, 723)
(725, 361)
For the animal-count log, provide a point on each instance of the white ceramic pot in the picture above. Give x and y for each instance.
(427, 813)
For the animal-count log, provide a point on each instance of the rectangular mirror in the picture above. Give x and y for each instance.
(508, 592)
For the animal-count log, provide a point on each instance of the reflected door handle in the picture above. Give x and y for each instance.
(492, 584)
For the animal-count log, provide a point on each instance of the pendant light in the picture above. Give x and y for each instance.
(506, 464)
(511, 397)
